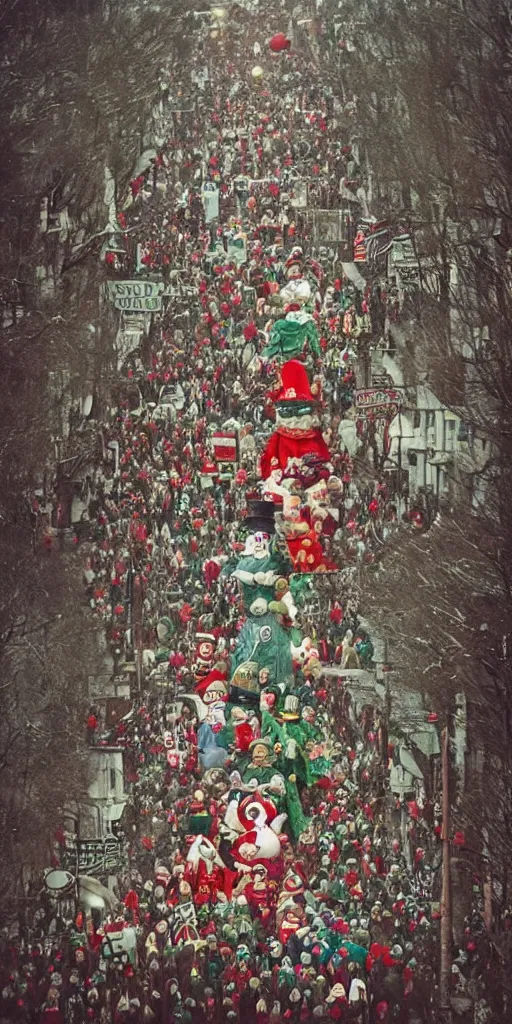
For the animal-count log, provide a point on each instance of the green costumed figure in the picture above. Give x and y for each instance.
(300, 740)
(289, 337)
(290, 740)
(199, 820)
(266, 767)
(364, 648)
(260, 763)
(264, 642)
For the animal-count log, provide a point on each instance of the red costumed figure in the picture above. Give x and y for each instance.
(260, 894)
(304, 547)
(131, 902)
(206, 873)
(298, 431)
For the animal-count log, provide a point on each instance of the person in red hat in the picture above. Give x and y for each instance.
(213, 691)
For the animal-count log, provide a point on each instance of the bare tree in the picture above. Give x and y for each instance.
(432, 92)
(79, 81)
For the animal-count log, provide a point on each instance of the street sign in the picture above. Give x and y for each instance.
(136, 296)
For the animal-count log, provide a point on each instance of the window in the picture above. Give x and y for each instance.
(112, 779)
(431, 428)
(417, 419)
(450, 435)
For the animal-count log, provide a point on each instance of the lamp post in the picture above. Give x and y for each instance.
(445, 965)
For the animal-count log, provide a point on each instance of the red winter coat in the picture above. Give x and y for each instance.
(52, 1015)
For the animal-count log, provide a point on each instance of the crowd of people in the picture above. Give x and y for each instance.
(240, 497)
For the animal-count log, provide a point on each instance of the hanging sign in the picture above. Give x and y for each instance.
(379, 401)
(242, 184)
(136, 296)
(184, 913)
(119, 945)
(225, 446)
(248, 296)
(373, 240)
(92, 856)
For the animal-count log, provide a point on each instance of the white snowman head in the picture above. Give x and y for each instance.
(260, 544)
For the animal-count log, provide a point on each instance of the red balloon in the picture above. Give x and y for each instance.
(279, 42)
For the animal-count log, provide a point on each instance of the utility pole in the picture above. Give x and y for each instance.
(445, 965)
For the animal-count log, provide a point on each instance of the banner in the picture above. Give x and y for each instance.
(136, 296)
(119, 945)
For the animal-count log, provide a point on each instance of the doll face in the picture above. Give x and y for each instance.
(261, 544)
(308, 715)
(318, 494)
(248, 851)
(260, 755)
(205, 650)
(308, 837)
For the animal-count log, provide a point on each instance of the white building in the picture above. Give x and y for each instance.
(424, 443)
(106, 796)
